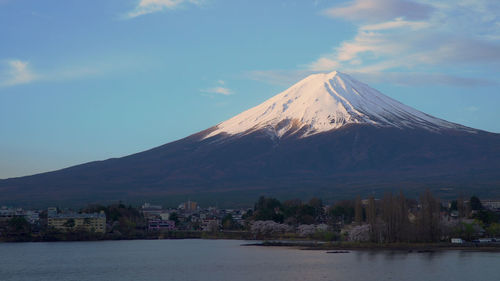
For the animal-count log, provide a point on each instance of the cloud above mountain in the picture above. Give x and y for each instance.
(415, 37)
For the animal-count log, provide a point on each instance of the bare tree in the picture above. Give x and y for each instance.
(428, 219)
(401, 210)
(388, 216)
(371, 218)
(461, 207)
(358, 210)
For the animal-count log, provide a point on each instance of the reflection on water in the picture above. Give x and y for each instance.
(226, 260)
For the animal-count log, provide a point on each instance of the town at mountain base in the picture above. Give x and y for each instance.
(328, 135)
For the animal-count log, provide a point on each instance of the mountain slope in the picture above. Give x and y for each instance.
(327, 135)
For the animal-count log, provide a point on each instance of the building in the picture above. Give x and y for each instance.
(32, 216)
(189, 206)
(6, 214)
(210, 225)
(161, 225)
(485, 240)
(493, 205)
(95, 222)
(51, 211)
(151, 211)
(165, 216)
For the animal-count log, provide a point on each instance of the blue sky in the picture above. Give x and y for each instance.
(90, 80)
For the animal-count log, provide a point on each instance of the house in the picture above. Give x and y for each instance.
(95, 222)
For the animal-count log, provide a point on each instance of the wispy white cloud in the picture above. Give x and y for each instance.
(324, 64)
(218, 90)
(145, 7)
(472, 108)
(444, 43)
(397, 23)
(16, 72)
(380, 10)
(418, 38)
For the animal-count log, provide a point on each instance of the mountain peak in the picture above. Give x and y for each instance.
(326, 101)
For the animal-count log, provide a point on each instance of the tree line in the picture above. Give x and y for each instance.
(392, 218)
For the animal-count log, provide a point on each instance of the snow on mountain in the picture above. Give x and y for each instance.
(327, 101)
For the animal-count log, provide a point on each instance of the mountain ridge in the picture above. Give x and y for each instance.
(286, 158)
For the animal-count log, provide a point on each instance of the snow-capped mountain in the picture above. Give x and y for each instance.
(328, 136)
(327, 101)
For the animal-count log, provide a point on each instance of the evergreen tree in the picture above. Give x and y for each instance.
(475, 204)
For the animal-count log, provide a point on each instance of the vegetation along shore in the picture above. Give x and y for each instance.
(392, 222)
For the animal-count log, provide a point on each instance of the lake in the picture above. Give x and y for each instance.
(221, 260)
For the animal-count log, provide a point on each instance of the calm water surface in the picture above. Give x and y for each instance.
(222, 260)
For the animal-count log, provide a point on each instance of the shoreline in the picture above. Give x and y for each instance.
(309, 245)
(341, 247)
